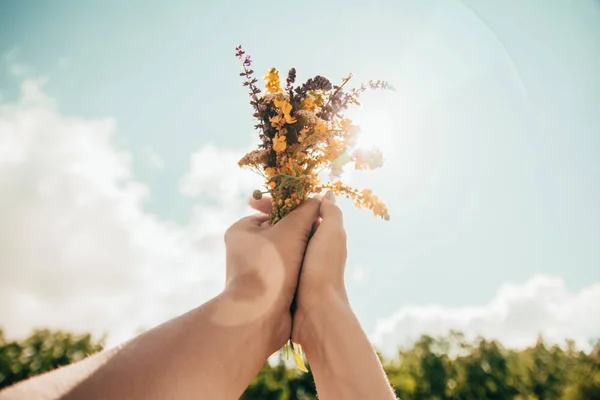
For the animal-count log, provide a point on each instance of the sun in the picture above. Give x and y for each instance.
(376, 129)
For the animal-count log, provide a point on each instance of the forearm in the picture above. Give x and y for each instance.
(211, 352)
(343, 361)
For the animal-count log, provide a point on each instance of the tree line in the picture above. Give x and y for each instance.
(440, 368)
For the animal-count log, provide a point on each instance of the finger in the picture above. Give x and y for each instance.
(302, 217)
(264, 204)
(253, 220)
(330, 213)
(315, 226)
(249, 223)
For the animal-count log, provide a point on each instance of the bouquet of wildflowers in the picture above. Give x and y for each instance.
(303, 132)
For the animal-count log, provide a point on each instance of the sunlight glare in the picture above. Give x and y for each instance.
(376, 129)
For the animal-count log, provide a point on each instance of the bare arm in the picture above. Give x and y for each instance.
(343, 362)
(211, 352)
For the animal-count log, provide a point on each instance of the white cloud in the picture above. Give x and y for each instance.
(77, 250)
(515, 316)
(215, 174)
(15, 67)
(19, 70)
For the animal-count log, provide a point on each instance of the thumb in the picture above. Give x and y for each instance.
(301, 218)
(330, 213)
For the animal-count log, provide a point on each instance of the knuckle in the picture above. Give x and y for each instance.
(229, 233)
(309, 206)
(312, 201)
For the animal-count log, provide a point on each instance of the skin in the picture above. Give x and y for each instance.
(198, 355)
(343, 361)
(213, 351)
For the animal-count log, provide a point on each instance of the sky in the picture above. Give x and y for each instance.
(121, 126)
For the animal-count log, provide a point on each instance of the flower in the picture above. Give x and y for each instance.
(302, 134)
(368, 159)
(277, 121)
(308, 104)
(304, 130)
(269, 172)
(295, 148)
(254, 159)
(285, 108)
(273, 84)
(320, 128)
(307, 117)
(279, 144)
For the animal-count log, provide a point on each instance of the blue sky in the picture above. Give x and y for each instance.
(492, 139)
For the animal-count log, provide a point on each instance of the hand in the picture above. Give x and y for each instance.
(321, 284)
(263, 263)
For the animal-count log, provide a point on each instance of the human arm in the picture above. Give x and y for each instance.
(213, 351)
(343, 361)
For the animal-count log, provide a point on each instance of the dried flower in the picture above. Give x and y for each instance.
(368, 159)
(272, 81)
(291, 78)
(303, 131)
(257, 194)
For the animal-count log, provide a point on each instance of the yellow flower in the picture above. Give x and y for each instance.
(308, 104)
(297, 353)
(277, 121)
(269, 172)
(368, 159)
(312, 100)
(286, 108)
(302, 134)
(320, 140)
(345, 123)
(273, 84)
(279, 144)
(289, 119)
(282, 105)
(319, 100)
(320, 128)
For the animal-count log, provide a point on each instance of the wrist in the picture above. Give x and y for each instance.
(312, 320)
(259, 295)
(265, 318)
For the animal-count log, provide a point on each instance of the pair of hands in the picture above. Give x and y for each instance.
(302, 257)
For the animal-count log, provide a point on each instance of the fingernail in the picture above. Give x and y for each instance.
(330, 196)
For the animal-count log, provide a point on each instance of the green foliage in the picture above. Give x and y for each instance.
(41, 352)
(281, 383)
(446, 368)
